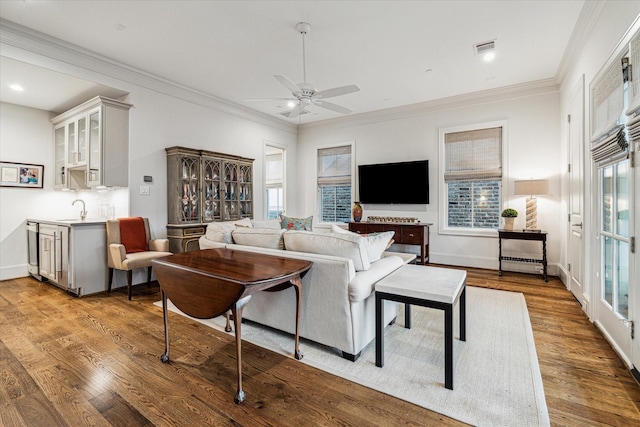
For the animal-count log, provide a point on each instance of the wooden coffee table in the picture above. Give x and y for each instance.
(207, 283)
(432, 287)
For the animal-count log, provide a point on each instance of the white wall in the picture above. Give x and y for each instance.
(533, 150)
(157, 120)
(615, 18)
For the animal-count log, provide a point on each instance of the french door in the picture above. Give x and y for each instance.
(616, 221)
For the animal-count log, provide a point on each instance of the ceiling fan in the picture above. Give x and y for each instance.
(305, 94)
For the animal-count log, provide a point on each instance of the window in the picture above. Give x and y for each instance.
(472, 164)
(274, 181)
(334, 184)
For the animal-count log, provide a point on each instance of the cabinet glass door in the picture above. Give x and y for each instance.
(231, 208)
(82, 140)
(211, 184)
(94, 149)
(189, 189)
(59, 154)
(246, 191)
(71, 144)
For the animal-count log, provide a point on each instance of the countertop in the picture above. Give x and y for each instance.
(73, 222)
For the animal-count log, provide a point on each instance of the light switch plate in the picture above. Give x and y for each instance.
(144, 190)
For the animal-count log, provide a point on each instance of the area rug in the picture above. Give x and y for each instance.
(497, 379)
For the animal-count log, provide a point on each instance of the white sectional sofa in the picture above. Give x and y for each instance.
(338, 302)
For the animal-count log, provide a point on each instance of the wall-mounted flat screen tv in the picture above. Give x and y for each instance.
(397, 183)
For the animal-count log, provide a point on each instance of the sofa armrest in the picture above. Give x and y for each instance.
(210, 244)
(160, 245)
(364, 283)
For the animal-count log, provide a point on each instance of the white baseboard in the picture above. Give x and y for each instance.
(13, 271)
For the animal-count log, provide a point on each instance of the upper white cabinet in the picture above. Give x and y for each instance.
(91, 145)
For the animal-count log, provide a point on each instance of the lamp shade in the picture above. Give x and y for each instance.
(531, 187)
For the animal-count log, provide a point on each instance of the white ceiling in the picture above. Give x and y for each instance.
(232, 49)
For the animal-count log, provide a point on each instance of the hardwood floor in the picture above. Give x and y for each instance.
(67, 361)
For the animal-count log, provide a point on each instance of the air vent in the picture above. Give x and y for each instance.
(288, 113)
(484, 47)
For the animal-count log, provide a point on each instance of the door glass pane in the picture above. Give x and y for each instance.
(94, 141)
(71, 144)
(607, 269)
(82, 139)
(607, 198)
(622, 199)
(623, 278)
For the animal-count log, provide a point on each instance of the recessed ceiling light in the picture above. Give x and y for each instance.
(489, 56)
(16, 87)
(291, 104)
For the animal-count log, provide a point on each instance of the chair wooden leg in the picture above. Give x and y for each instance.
(129, 280)
(110, 278)
(149, 276)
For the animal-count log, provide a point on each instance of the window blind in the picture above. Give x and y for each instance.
(634, 75)
(334, 166)
(610, 148)
(473, 155)
(274, 169)
(607, 96)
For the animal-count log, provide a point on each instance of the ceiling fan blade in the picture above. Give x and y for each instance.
(336, 91)
(294, 88)
(270, 99)
(333, 107)
(295, 112)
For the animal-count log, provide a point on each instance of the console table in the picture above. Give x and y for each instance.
(523, 235)
(406, 234)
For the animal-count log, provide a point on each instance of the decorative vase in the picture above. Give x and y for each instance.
(508, 223)
(357, 211)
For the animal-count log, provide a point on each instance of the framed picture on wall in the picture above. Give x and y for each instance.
(21, 175)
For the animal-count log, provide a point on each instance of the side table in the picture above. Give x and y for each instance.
(523, 235)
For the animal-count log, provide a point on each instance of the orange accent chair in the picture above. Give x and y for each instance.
(130, 246)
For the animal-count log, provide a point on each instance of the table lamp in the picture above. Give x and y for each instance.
(530, 188)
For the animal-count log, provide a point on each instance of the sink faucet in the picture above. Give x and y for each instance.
(83, 212)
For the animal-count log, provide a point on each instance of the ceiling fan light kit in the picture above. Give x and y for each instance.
(305, 94)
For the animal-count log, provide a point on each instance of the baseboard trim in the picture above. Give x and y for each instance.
(13, 271)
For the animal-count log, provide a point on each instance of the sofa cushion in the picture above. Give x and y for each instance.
(289, 223)
(221, 231)
(267, 223)
(350, 246)
(376, 243)
(260, 237)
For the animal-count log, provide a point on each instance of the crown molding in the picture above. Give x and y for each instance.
(459, 101)
(587, 20)
(27, 45)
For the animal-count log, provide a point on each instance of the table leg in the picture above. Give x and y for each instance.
(237, 322)
(448, 347)
(165, 357)
(544, 260)
(463, 313)
(379, 331)
(499, 256)
(407, 316)
(227, 327)
(297, 284)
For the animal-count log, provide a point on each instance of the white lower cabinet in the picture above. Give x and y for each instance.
(73, 256)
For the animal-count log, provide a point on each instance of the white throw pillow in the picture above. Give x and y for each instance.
(273, 224)
(349, 245)
(221, 231)
(376, 243)
(260, 237)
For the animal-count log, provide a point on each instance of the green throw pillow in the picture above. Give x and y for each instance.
(297, 223)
